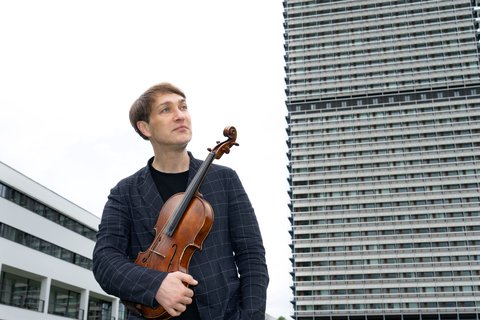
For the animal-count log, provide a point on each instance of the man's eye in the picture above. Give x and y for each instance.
(184, 107)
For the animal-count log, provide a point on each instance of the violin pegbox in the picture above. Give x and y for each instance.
(224, 147)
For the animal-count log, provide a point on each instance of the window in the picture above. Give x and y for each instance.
(41, 245)
(44, 211)
(99, 309)
(65, 303)
(20, 292)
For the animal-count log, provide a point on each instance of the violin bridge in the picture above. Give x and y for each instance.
(157, 253)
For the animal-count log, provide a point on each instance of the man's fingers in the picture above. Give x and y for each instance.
(174, 294)
(173, 312)
(186, 278)
(177, 309)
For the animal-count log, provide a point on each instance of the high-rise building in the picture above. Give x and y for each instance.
(383, 100)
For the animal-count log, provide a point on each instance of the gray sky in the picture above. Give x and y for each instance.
(69, 71)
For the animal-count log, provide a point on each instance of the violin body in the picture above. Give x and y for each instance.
(183, 224)
(168, 254)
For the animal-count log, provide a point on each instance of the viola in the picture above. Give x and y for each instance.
(182, 226)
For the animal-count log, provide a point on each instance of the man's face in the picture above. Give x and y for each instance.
(170, 125)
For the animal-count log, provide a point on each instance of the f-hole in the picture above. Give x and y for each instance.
(175, 247)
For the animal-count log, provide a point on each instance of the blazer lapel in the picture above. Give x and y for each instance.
(151, 200)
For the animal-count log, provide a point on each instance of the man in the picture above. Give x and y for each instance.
(228, 278)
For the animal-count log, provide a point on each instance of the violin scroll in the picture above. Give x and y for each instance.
(224, 147)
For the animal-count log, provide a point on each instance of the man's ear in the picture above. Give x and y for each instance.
(143, 128)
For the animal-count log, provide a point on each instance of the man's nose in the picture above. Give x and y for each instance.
(179, 114)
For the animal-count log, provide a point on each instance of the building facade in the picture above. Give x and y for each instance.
(46, 245)
(383, 102)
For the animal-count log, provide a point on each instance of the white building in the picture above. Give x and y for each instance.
(46, 245)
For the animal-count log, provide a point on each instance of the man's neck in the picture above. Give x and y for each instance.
(171, 162)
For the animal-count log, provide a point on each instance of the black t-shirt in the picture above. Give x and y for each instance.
(169, 184)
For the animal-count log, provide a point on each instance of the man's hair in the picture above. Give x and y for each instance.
(141, 108)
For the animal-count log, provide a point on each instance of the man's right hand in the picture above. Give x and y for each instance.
(173, 295)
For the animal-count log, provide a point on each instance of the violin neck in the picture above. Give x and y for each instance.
(193, 187)
(191, 191)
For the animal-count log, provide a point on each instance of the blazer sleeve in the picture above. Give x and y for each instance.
(249, 252)
(113, 256)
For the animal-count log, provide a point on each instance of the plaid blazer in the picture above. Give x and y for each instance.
(231, 269)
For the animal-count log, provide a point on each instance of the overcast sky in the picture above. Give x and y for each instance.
(69, 71)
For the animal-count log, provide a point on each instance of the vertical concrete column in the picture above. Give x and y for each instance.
(84, 297)
(115, 304)
(45, 293)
